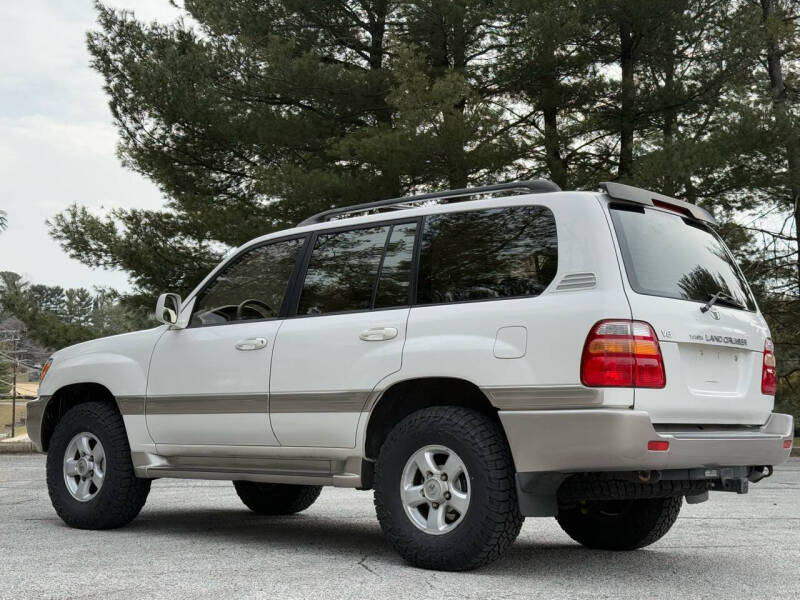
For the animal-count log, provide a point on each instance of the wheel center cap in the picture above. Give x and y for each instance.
(83, 467)
(434, 489)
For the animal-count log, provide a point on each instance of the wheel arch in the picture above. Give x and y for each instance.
(405, 397)
(67, 397)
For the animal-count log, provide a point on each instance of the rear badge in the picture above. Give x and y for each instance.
(718, 339)
(714, 314)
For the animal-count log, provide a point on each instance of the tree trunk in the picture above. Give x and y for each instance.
(556, 163)
(670, 117)
(448, 53)
(457, 155)
(627, 120)
(549, 103)
(390, 184)
(787, 133)
(377, 32)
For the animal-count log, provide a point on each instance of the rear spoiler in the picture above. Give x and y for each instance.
(620, 191)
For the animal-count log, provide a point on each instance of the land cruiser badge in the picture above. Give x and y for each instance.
(710, 338)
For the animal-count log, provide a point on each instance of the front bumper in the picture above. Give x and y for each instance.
(35, 412)
(572, 441)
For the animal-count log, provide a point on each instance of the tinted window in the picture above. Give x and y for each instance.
(668, 255)
(480, 255)
(395, 278)
(251, 288)
(342, 271)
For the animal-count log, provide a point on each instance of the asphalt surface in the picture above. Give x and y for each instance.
(194, 539)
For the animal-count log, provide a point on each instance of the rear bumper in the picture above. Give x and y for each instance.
(570, 441)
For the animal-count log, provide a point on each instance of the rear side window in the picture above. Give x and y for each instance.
(671, 256)
(343, 270)
(489, 254)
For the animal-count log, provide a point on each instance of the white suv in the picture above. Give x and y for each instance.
(524, 351)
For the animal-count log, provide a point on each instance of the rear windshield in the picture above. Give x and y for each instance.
(675, 257)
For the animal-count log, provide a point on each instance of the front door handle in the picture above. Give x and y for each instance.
(251, 344)
(378, 334)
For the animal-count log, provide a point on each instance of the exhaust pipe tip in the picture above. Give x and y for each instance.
(649, 476)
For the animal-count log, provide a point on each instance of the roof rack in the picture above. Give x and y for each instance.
(533, 186)
(620, 191)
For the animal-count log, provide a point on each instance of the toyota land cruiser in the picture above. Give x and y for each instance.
(473, 356)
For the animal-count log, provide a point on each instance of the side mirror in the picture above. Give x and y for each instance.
(168, 308)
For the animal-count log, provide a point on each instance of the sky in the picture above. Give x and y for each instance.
(57, 139)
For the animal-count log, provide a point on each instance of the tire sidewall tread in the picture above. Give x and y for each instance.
(122, 494)
(645, 522)
(493, 519)
(276, 498)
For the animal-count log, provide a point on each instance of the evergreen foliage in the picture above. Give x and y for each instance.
(5, 372)
(56, 317)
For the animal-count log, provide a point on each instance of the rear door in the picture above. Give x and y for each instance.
(713, 358)
(347, 334)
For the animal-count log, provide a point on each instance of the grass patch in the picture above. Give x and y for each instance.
(5, 415)
(18, 431)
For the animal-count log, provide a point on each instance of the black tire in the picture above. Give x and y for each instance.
(492, 520)
(122, 494)
(276, 498)
(619, 524)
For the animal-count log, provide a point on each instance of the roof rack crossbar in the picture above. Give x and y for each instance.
(533, 186)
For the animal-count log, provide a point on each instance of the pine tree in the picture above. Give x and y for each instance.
(550, 77)
(781, 49)
(56, 317)
(5, 371)
(273, 110)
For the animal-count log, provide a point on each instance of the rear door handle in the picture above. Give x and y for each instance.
(251, 344)
(378, 334)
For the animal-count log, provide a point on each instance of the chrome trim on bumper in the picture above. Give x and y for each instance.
(537, 397)
(616, 440)
(35, 412)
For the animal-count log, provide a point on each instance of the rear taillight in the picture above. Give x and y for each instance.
(769, 377)
(622, 353)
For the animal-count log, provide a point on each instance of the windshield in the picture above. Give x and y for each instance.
(675, 257)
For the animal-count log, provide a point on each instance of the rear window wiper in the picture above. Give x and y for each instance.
(722, 298)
